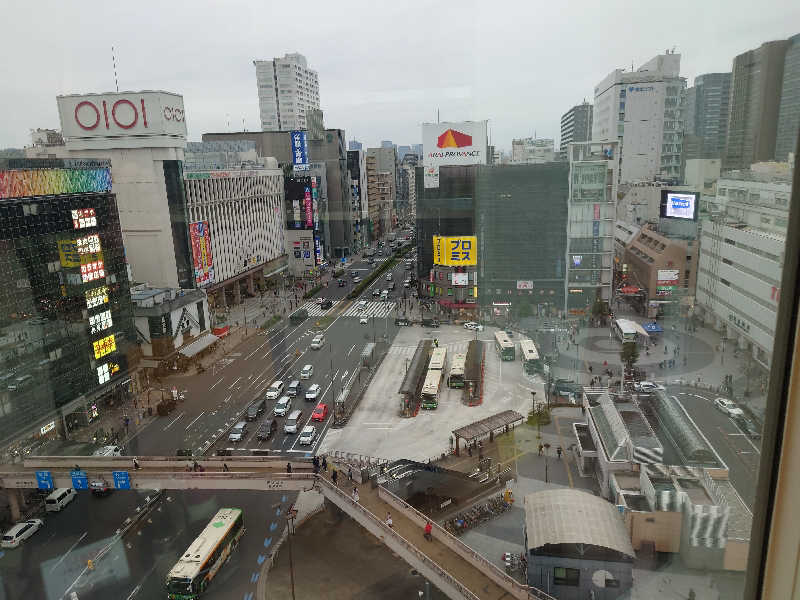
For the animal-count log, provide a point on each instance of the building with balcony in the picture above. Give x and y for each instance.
(287, 90)
(576, 126)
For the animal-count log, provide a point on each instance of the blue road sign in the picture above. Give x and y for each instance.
(344, 260)
(122, 480)
(44, 479)
(79, 480)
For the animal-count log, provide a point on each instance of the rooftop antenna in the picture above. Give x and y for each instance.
(228, 117)
(114, 64)
(244, 128)
(437, 115)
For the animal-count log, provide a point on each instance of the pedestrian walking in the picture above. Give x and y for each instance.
(558, 451)
(355, 494)
(334, 475)
(350, 473)
(389, 520)
(324, 464)
(289, 467)
(428, 530)
(135, 464)
(541, 448)
(225, 468)
(195, 466)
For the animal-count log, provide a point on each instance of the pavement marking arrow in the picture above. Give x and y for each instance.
(273, 526)
(261, 558)
(267, 542)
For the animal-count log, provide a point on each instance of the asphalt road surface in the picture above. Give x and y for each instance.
(218, 398)
(53, 561)
(734, 447)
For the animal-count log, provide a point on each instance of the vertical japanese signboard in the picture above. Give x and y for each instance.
(299, 150)
(200, 239)
(455, 251)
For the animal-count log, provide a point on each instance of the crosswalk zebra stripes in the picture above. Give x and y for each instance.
(315, 310)
(378, 310)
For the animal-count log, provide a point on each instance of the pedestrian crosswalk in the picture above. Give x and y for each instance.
(315, 310)
(378, 310)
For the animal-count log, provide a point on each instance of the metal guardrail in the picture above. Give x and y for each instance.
(421, 556)
(473, 556)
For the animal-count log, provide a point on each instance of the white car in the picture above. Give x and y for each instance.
(307, 372)
(274, 390)
(313, 392)
(356, 279)
(363, 320)
(282, 407)
(318, 342)
(362, 304)
(473, 326)
(320, 300)
(20, 532)
(728, 407)
(237, 433)
(388, 277)
(647, 386)
(307, 435)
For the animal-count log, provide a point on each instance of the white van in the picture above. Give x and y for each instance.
(59, 499)
(291, 423)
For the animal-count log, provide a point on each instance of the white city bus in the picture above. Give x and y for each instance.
(625, 330)
(438, 359)
(504, 346)
(203, 559)
(429, 398)
(531, 363)
(456, 377)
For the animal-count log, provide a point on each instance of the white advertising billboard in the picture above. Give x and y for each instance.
(125, 119)
(524, 284)
(668, 274)
(452, 144)
(460, 278)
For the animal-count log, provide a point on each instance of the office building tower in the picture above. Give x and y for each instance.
(642, 110)
(591, 220)
(67, 317)
(357, 167)
(387, 144)
(755, 100)
(287, 89)
(576, 126)
(707, 106)
(386, 162)
(789, 109)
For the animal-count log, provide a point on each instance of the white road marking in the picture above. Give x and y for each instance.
(173, 421)
(345, 374)
(326, 390)
(351, 349)
(226, 400)
(215, 385)
(234, 383)
(195, 419)
(63, 556)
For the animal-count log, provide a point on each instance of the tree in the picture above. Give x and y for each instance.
(629, 354)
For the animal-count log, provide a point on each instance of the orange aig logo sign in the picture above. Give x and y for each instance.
(454, 139)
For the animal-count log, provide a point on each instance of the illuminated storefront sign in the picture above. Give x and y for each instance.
(48, 428)
(96, 297)
(104, 346)
(100, 321)
(455, 251)
(83, 217)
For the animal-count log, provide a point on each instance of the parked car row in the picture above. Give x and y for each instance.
(55, 502)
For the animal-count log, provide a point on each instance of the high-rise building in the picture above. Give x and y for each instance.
(789, 109)
(591, 220)
(755, 99)
(387, 144)
(532, 151)
(143, 134)
(386, 158)
(576, 126)
(357, 167)
(67, 318)
(287, 89)
(642, 110)
(706, 112)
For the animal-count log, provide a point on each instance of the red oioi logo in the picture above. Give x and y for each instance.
(453, 139)
(88, 114)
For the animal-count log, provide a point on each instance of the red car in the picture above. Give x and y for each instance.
(320, 412)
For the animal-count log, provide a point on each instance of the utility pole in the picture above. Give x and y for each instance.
(290, 523)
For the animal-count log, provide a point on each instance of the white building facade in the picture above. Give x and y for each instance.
(741, 260)
(244, 213)
(287, 88)
(591, 220)
(642, 110)
(143, 134)
(532, 151)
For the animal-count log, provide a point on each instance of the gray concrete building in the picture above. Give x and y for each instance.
(287, 89)
(789, 110)
(755, 100)
(576, 126)
(707, 106)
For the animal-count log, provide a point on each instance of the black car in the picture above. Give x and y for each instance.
(256, 409)
(341, 282)
(326, 304)
(748, 427)
(267, 429)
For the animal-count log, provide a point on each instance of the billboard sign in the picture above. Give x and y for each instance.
(461, 143)
(200, 239)
(460, 278)
(679, 205)
(299, 193)
(299, 150)
(664, 290)
(455, 251)
(668, 277)
(524, 284)
(126, 119)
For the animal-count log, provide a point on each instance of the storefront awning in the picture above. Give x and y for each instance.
(449, 304)
(200, 344)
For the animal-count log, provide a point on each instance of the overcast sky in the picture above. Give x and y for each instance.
(384, 68)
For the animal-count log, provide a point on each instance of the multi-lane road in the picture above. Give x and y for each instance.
(218, 398)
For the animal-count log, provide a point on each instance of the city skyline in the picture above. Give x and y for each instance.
(218, 83)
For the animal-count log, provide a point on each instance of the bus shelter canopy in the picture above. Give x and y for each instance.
(488, 425)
